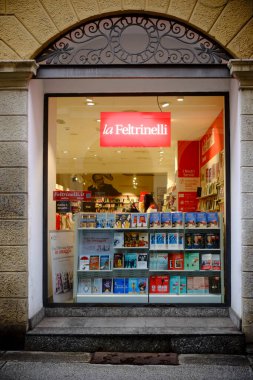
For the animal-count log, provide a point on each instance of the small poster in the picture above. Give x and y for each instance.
(62, 260)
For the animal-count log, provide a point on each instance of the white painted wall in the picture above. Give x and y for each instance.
(35, 196)
(236, 282)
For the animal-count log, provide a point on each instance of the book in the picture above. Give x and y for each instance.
(152, 261)
(125, 220)
(110, 220)
(106, 285)
(197, 285)
(84, 286)
(154, 220)
(175, 284)
(190, 220)
(118, 240)
(212, 219)
(177, 219)
(131, 239)
(201, 221)
(180, 240)
(142, 260)
(143, 239)
(96, 285)
(191, 261)
(216, 264)
(152, 240)
(176, 261)
(183, 285)
(133, 286)
(126, 284)
(118, 260)
(134, 220)
(117, 222)
(214, 285)
(101, 220)
(166, 220)
(130, 260)
(142, 285)
(162, 284)
(212, 240)
(88, 220)
(188, 240)
(198, 240)
(119, 285)
(160, 240)
(162, 261)
(152, 284)
(206, 261)
(172, 240)
(94, 262)
(142, 220)
(105, 262)
(84, 262)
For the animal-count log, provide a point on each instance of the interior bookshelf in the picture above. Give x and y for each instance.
(149, 262)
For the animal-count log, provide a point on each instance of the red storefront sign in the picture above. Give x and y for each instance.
(188, 159)
(135, 129)
(187, 201)
(213, 140)
(71, 195)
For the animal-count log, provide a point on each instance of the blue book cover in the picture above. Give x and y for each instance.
(212, 240)
(118, 241)
(133, 286)
(201, 221)
(126, 285)
(152, 240)
(119, 285)
(107, 285)
(142, 285)
(175, 284)
(177, 219)
(101, 220)
(154, 219)
(110, 220)
(96, 287)
(172, 240)
(160, 240)
(180, 240)
(190, 219)
(105, 262)
(166, 220)
(212, 219)
(130, 260)
(152, 261)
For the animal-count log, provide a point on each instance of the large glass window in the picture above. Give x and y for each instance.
(104, 244)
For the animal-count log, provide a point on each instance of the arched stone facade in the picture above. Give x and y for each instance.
(27, 27)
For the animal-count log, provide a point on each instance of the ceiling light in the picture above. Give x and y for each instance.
(89, 100)
(65, 151)
(119, 151)
(98, 120)
(74, 158)
(91, 103)
(180, 99)
(166, 104)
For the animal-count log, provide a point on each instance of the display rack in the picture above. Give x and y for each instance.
(176, 268)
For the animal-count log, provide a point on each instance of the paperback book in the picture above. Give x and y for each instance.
(119, 285)
(197, 285)
(107, 286)
(191, 261)
(201, 221)
(142, 260)
(118, 240)
(166, 220)
(152, 261)
(177, 219)
(190, 220)
(212, 219)
(152, 240)
(130, 260)
(206, 261)
(118, 260)
(84, 262)
(133, 287)
(142, 285)
(212, 240)
(94, 262)
(160, 240)
(176, 261)
(183, 285)
(110, 220)
(175, 284)
(96, 285)
(131, 239)
(162, 261)
(162, 284)
(216, 264)
(173, 240)
(143, 239)
(84, 286)
(142, 220)
(88, 220)
(105, 262)
(101, 220)
(154, 220)
(214, 285)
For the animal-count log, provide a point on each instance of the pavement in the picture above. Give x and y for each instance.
(27, 365)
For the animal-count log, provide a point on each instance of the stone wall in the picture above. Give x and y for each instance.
(13, 198)
(37, 22)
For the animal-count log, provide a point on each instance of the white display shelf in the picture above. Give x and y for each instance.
(185, 298)
(112, 298)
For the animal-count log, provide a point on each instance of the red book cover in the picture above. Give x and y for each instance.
(152, 284)
(176, 261)
(94, 262)
(162, 284)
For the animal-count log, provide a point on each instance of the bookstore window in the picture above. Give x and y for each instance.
(136, 199)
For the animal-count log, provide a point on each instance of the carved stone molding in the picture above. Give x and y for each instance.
(242, 69)
(16, 74)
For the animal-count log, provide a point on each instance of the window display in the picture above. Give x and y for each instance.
(104, 162)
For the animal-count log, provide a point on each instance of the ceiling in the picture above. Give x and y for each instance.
(78, 149)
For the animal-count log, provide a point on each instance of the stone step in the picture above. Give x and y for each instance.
(183, 335)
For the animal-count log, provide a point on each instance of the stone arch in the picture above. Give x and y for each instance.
(38, 22)
(133, 39)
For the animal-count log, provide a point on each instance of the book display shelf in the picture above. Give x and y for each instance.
(162, 257)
